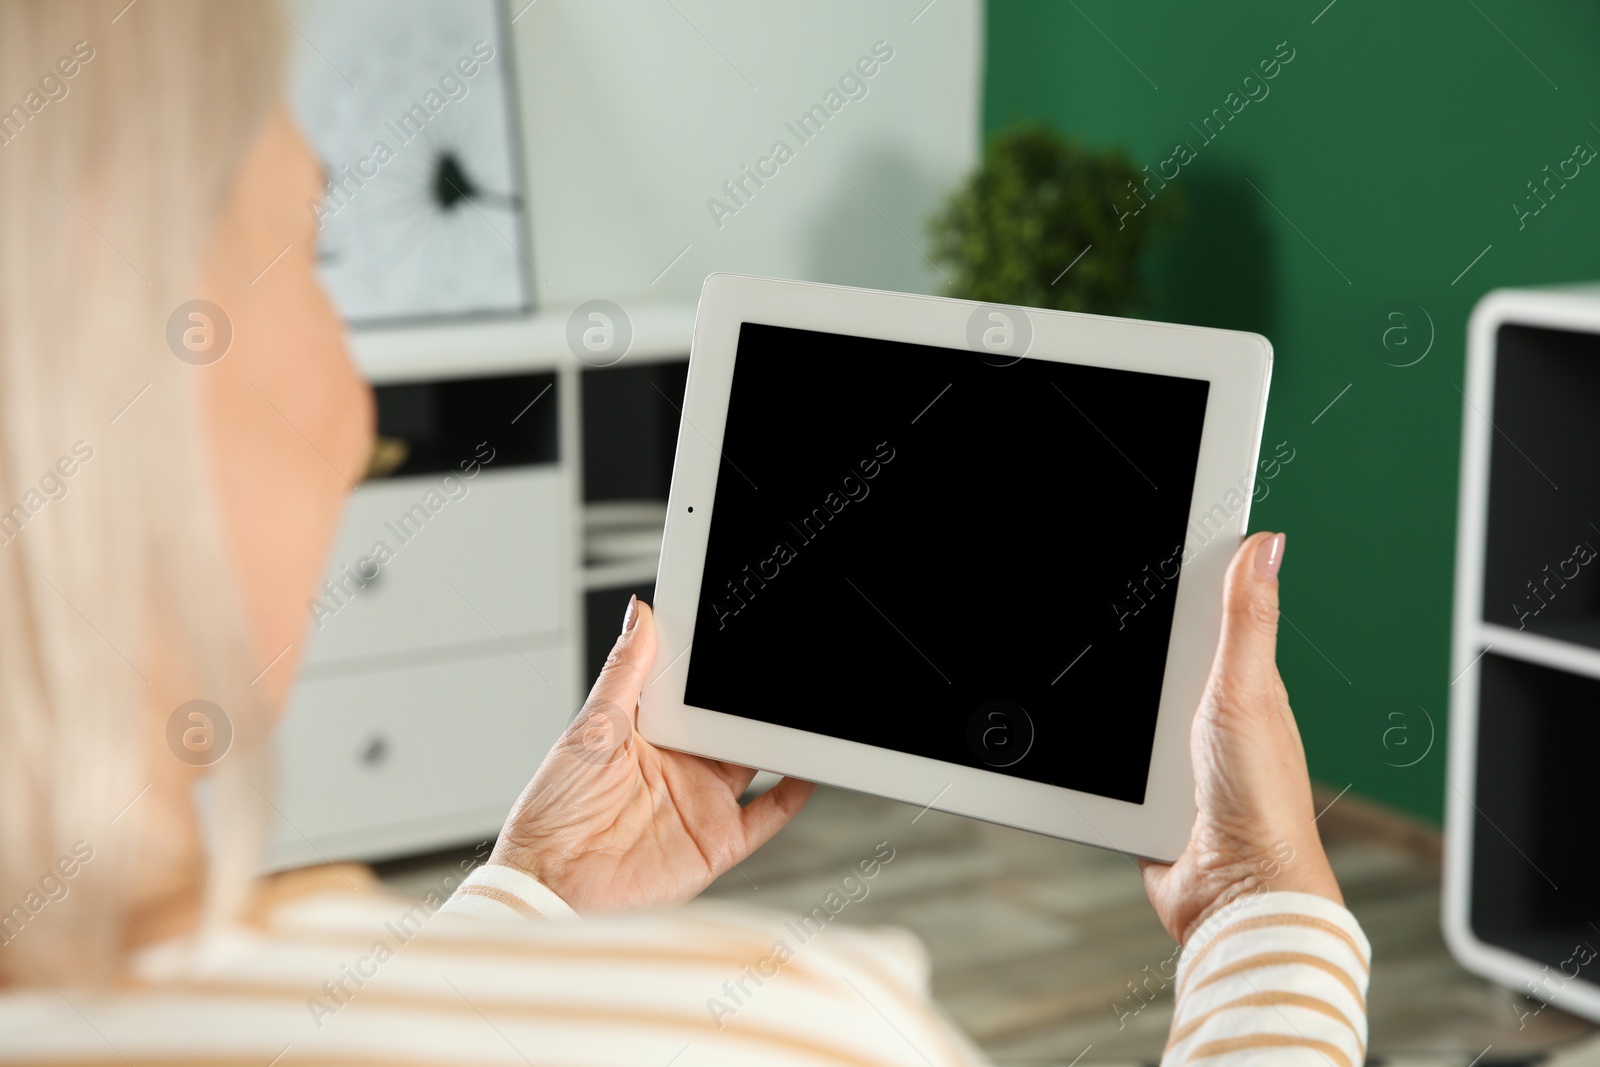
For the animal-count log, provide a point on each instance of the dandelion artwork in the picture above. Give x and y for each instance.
(410, 106)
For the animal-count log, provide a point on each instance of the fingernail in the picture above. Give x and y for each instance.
(1269, 557)
(630, 618)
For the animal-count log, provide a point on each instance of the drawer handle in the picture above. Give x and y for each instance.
(374, 752)
(389, 454)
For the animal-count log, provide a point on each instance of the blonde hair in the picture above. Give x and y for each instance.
(115, 589)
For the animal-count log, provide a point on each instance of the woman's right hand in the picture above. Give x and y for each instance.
(1256, 827)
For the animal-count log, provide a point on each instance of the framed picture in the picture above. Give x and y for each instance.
(411, 107)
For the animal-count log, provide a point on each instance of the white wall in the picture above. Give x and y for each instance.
(637, 111)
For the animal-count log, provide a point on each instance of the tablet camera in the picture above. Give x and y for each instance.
(1000, 335)
(1000, 733)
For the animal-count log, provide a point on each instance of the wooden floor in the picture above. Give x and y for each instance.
(1034, 941)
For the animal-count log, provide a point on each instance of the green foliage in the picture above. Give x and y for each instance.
(1036, 202)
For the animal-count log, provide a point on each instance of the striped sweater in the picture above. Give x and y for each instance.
(329, 969)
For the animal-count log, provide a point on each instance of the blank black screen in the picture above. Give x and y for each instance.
(914, 548)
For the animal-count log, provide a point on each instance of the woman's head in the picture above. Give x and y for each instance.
(178, 424)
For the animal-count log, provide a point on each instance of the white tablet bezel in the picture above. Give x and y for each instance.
(1238, 366)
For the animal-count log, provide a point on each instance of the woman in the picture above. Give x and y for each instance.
(171, 474)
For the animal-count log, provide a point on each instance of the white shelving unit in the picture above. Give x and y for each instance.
(661, 331)
(431, 693)
(1525, 655)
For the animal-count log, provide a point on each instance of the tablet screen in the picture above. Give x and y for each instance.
(921, 549)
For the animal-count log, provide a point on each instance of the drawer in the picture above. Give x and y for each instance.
(422, 563)
(417, 757)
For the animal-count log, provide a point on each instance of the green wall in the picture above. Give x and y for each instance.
(1396, 141)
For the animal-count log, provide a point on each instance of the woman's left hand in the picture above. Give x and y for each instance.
(610, 822)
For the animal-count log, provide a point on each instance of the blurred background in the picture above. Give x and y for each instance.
(1348, 179)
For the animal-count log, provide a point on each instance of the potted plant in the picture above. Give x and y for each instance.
(1045, 222)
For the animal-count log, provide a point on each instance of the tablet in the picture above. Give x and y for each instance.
(962, 555)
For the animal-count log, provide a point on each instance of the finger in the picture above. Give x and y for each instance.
(736, 775)
(769, 812)
(623, 676)
(1248, 647)
(1152, 874)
